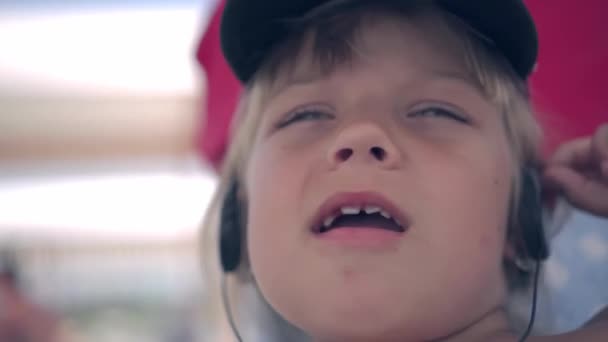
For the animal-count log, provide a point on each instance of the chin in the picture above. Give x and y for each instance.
(347, 317)
(378, 314)
(373, 329)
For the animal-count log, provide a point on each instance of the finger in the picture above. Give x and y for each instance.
(573, 153)
(563, 179)
(599, 143)
(579, 191)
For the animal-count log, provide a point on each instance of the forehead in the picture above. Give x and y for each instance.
(410, 44)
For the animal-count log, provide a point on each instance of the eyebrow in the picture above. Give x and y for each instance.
(436, 75)
(458, 76)
(294, 81)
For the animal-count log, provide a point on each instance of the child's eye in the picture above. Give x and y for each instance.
(304, 115)
(438, 112)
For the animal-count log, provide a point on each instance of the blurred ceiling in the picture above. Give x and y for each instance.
(99, 105)
(99, 79)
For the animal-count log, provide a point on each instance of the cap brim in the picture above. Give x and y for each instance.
(250, 29)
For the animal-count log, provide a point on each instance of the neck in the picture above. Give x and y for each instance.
(493, 326)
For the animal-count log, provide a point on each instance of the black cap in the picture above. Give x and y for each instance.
(252, 28)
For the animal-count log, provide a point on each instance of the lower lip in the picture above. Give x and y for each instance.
(363, 237)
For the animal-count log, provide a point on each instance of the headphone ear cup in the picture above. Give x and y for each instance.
(230, 230)
(530, 216)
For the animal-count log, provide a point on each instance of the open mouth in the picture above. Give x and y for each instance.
(368, 217)
(360, 210)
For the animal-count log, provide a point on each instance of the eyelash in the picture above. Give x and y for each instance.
(315, 114)
(303, 115)
(440, 112)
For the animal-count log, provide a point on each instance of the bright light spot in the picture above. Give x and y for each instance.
(139, 51)
(139, 205)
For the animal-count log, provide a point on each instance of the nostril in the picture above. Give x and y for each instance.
(378, 152)
(344, 154)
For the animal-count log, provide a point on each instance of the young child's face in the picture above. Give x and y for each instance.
(405, 121)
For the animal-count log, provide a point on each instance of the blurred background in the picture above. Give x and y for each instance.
(101, 188)
(105, 116)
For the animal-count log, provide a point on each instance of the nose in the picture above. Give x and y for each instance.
(365, 143)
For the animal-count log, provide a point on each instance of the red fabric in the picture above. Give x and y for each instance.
(567, 87)
(222, 93)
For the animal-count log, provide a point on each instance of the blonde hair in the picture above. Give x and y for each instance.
(333, 36)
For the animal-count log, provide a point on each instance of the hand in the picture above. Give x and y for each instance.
(579, 171)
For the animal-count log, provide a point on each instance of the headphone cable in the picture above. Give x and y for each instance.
(528, 330)
(228, 309)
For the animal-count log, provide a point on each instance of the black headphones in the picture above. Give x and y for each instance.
(529, 220)
(231, 226)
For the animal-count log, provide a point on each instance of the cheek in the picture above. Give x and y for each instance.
(265, 199)
(461, 229)
(279, 174)
(275, 183)
(474, 202)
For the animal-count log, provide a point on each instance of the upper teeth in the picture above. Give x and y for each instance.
(371, 209)
(350, 210)
(355, 210)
